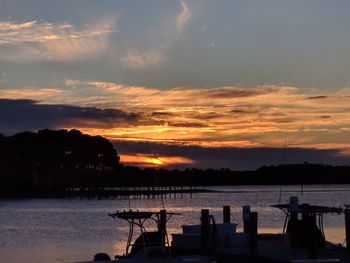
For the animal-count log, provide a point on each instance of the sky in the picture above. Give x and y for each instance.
(183, 83)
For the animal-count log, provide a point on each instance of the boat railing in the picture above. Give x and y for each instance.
(146, 239)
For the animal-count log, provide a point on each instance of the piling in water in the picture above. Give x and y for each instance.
(347, 227)
(246, 218)
(204, 245)
(162, 225)
(226, 214)
(253, 233)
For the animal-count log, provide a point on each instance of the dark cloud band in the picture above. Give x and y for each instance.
(19, 115)
(233, 158)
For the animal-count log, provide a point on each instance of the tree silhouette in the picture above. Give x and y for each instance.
(50, 161)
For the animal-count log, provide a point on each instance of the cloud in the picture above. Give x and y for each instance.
(240, 117)
(44, 41)
(10, 26)
(51, 94)
(231, 92)
(183, 17)
(19, 115)
(143, 58)
(225, 157)
(186, 124)
(183, 97)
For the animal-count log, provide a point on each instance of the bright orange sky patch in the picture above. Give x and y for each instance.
(153, 161)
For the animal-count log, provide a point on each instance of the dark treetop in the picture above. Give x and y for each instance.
(49, 161)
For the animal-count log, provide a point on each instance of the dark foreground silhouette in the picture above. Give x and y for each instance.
(47, 163)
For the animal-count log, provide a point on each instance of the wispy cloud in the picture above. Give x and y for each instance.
(183, 17)
(44, 41)
(11, 26)
(44, 93)
(141, 58)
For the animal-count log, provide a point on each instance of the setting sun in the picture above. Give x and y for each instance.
(155, 161)
(151, 161)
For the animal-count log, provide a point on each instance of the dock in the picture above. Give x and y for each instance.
(160, 192)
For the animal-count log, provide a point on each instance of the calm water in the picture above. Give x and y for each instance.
(61, 230)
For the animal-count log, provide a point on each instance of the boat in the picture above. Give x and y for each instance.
(223, 237)
(302, 239)
(149, 246)
(219, 239)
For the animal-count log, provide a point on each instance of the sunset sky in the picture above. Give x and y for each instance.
(177, 84)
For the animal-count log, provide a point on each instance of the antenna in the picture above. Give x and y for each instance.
(283, 162)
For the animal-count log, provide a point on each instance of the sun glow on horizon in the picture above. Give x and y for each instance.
(142, 160)
(155, 161)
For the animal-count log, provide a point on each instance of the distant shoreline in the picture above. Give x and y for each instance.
(57, 163)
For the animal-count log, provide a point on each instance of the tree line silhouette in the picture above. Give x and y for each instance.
(47, 163)
(50, 161)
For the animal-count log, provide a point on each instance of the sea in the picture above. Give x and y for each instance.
(72, 230)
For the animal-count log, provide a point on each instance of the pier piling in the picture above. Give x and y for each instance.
(246, 218)
(162, 225)
(347, 227)
(227, 214)
(204, 240)
(253, 233)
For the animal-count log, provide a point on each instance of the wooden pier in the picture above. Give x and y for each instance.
(149, 192)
